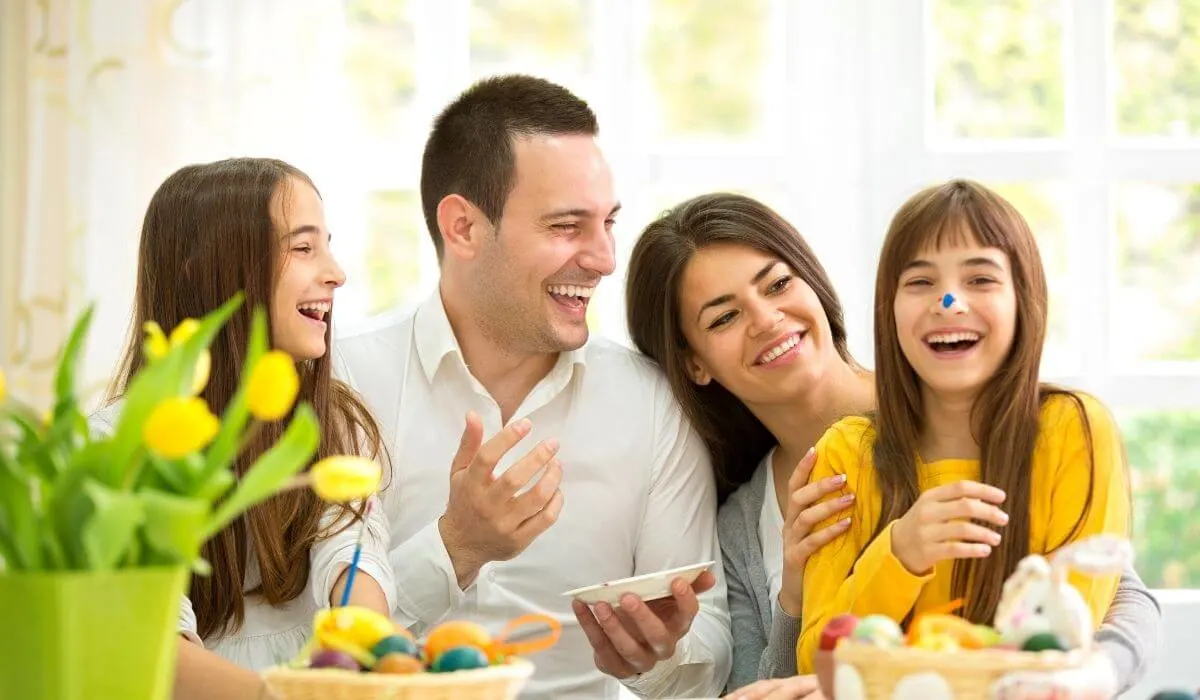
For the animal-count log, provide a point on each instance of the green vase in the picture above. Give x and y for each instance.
(83, 635)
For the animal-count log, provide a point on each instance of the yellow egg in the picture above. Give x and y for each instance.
(936, 641)
(351, 626)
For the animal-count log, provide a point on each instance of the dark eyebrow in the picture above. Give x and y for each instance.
(986, 262)
(923, 264)
(580, 213)
(304, 230)
(726, 298)
(970, 262)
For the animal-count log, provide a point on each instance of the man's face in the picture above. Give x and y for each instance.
(534, 278)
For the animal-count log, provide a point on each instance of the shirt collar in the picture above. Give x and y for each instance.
(435, 341)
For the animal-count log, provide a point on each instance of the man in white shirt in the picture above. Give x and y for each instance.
(607, 480)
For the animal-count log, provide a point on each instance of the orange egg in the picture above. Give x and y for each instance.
(399, 664)
(455, 634)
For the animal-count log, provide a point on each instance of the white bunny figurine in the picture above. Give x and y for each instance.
(1038, 598)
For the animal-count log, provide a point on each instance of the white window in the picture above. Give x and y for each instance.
(1085, 113)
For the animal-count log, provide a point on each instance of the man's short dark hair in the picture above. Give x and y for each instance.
(470, 150)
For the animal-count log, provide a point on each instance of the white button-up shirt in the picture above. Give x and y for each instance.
(637, 485)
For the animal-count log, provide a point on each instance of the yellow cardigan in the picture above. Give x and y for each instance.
(855, 575)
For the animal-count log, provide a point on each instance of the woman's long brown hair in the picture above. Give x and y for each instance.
(736, 439)
(1005, 415)
(207, 234)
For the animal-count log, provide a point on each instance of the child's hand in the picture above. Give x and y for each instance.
(939, 527)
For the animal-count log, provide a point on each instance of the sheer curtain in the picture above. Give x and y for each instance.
(101, 102)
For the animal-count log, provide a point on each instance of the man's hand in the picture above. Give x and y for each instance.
(487, 518)
(636, 635)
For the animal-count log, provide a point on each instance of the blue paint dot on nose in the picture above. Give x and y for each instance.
(947, 301)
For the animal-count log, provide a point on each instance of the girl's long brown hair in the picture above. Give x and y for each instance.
(207, 234)
(736, 439)
(1004, 417)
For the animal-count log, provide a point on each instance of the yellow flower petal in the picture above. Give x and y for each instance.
(3, 386)
(203, 367)
(273, 386)
(180, 426)
(156, 343)
(342, 479)
(186, 329)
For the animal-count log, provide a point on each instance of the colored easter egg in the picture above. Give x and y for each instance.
(462, 658)
(987, 636)
(837, 628)
(455, 634)
(880, 630)
(398, 663)
(351, 626)
(395, 644)
(1043, 641)
(329, 658)
(937, 641)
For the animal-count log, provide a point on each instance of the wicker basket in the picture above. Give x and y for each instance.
(500, 682)
(970, 674)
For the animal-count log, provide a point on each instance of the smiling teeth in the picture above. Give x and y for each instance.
(951, 337)
(319, 307)
(780, 349)
(571, 290)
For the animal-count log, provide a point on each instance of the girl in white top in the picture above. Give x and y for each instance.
(257, 225)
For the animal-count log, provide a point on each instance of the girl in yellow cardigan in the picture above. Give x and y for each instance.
(970, 463)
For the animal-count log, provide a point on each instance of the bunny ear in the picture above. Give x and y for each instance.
(1098, 554)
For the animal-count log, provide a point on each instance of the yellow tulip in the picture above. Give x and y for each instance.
(342, 479)
(273, 386)
(186, 329)
(203, 367)
(156, 343)
(180, 335)
(3, 386)
(180, 426)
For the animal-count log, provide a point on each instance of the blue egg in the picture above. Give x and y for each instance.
(395, 644)
(460, 659)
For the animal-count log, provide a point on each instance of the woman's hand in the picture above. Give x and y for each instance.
(794, 688)
(803, 514)
(939, 525)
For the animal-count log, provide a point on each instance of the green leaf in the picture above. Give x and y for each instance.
(272, 470)
(217, 486)
(91, 458)
(174, 473)
(225, 446)
(108, 533)
(69, 509)
(18, 519)
(170, 376)
(56, 559)
(174, 525)
(68, 364)
(32, 451)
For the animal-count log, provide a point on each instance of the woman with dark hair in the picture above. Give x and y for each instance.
(726, 296)
(257, 226)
